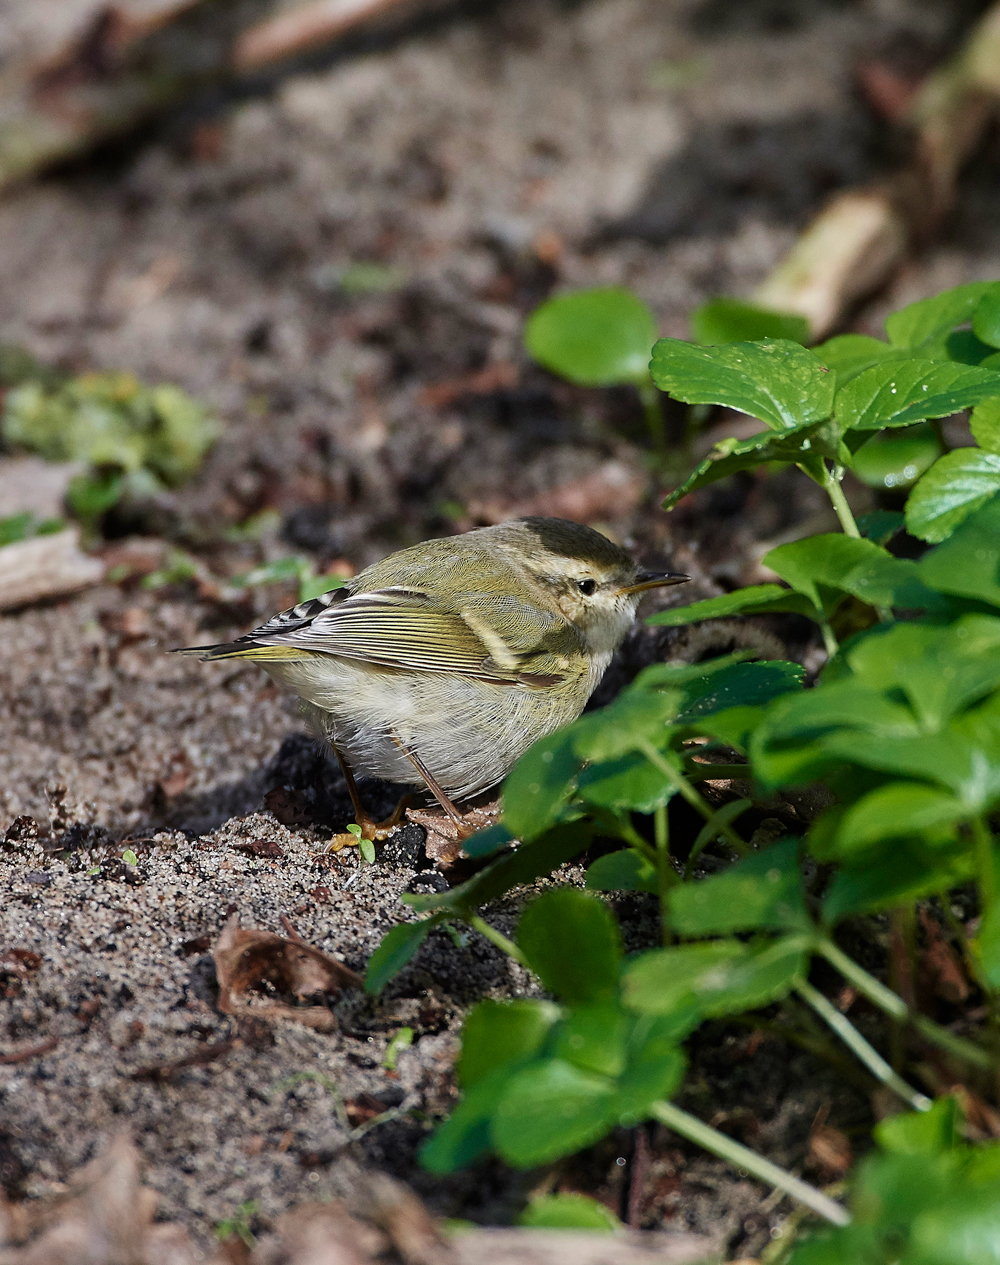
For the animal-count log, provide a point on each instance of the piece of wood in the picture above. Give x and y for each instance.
(862, 236)
(580, 1247)
(45, 567)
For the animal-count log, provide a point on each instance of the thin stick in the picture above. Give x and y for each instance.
(858, 1046)
(739, 1156)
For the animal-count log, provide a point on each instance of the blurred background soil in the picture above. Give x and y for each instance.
(339, 260)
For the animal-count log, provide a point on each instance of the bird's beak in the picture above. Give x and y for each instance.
(654, 580)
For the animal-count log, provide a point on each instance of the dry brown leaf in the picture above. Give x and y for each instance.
(395, 1209)
(104, 1218)
(444, 840)
(829, 1150)
(320, 1234)
(940, 968)
(247, 961)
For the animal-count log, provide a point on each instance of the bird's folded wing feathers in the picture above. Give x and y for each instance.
(404, 628)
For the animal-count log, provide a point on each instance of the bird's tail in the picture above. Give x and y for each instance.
(247, 650)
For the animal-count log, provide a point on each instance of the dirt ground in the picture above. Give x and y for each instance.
(501, 152)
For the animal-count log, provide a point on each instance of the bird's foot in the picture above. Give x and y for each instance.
(373, 831)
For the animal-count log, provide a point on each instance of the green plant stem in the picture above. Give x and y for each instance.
(832, 482)
(894, 1006)
(835, 492)
(727, 813)
(653, 411)
(858, 1046)
(679, 781)
(739, 1156)
(664, 870)
(986, 874)
(497, 938)
(830, 642)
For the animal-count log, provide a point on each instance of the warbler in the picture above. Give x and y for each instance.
(440, 665)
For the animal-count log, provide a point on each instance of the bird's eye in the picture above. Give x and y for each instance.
(586, 587)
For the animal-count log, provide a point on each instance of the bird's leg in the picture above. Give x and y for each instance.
(436, 789)
(369, 829)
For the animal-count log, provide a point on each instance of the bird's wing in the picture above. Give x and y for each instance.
(404, 628)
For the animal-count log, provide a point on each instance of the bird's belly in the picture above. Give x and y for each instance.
(467, 733)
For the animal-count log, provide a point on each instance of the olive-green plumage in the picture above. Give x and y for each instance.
(456, 654)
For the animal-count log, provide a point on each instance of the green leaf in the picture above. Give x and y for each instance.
(985, 423)
(739, 685)
(524, 865)
(624, 871)
(730, 456)
(129, 857)
(568, 1211)
(880, 526)
(727, 320)
(759, 599)
(964, 347)
(896, 811)
(824, 567)
(636, 716)
(551, 1109)
(17, 527)
(489, 841)
(465, 1135)
(922, 1132)
(763, 891)
(593, 337)
(777, 380)
(967, 564)
(986, 945)
(630, 782)
(889, 878)
(593, 1037)
(91, 495)
(899, 394)
(367, 850)
(656, 1068)
(986, 318)
(723, 976)
(940, 669)
(851, 354)
(499, 1033)
(962, 1230)
(896, 460)
(539, 786)
(397, 947)
(927, 319)
(572, 942)
(958, 483)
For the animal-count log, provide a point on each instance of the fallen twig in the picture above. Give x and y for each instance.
(122, 68)
(33, 1052)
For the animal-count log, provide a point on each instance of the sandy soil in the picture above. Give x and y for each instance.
(674, 147)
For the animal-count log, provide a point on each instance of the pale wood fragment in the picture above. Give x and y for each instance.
(45, 567)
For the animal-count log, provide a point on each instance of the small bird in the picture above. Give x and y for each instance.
(440, 665)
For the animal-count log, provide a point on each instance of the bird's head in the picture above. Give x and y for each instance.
(593, 582)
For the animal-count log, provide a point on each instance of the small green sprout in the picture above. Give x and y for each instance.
(401, 1041)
